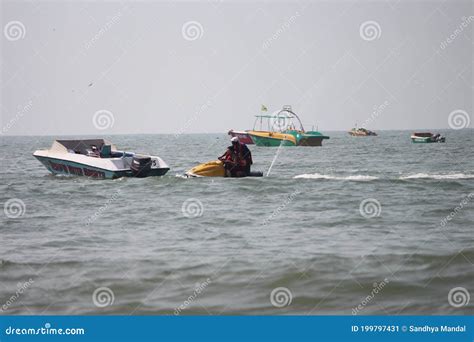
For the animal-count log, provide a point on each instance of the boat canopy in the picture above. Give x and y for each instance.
(282, 119)
(80, 146)
(423, 134)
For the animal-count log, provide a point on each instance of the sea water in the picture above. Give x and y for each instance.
(361, 225)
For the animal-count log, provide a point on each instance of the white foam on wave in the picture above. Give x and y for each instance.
(184, 176)
(438, 177)
(361, 178)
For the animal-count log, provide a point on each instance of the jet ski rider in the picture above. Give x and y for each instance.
(237, 159)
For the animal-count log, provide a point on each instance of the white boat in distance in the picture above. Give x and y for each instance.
(98, 158)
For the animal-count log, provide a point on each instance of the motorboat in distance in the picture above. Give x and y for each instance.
(427, 137)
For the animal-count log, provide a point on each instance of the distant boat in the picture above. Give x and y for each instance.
(243, 136)
(427, 137)
(361, 132)
(284, 128)
(98, 158)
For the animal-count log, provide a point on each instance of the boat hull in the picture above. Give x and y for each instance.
(71, 168)
(426, 141)
(210, 169)
(311, 141)
(355, 134)
(362, 132)
(288, 138)
(272, 139)
(310, 138)
(214, 169)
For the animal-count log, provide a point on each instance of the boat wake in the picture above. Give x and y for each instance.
(438, 177)
(360, 178)
(366, 178)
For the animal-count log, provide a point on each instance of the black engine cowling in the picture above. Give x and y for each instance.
(140, 166)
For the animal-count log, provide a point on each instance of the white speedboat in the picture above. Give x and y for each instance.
(98, 158)
(427, 137)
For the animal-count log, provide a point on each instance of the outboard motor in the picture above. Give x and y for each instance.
(140, 166)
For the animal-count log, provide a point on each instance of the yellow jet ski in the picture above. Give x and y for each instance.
(214, 169)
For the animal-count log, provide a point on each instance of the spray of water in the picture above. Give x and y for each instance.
(274, 158)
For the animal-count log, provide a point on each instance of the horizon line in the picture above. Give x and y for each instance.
(196, 133)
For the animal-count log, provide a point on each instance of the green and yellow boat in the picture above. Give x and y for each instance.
(282, 131)
(427, 137)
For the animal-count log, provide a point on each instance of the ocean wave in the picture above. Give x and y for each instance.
(361, 178)
(438, 177)
(32, 264)
(450, 176)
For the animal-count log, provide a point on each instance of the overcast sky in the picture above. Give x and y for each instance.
(92, 67)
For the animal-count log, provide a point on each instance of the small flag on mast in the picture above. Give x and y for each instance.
(264, 109)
